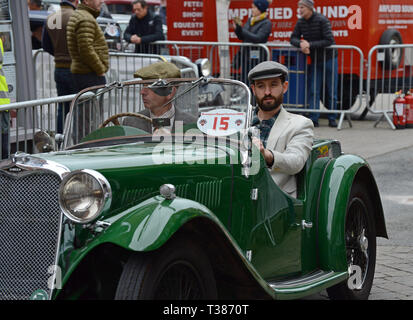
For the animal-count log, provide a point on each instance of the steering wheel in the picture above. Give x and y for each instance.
(114, 118)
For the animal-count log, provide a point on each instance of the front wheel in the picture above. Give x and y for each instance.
(360, 237)
(179, 271)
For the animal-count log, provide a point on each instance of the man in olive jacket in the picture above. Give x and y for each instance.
(87, 46)
(90, 61)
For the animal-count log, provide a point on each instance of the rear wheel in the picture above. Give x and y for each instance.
(360, 237)
(178, 271)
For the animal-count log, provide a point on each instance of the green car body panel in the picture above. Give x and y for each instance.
(275, 245)
(269, 227)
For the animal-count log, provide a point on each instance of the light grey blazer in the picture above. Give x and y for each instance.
(290, 140)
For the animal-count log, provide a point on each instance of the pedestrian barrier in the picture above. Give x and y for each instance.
(122, 66)
(389, 69)
(353, 81)
(348, 82)
(233, 60)
(229, 60)
(28, 117)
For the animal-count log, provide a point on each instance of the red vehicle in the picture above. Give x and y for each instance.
(363, 24)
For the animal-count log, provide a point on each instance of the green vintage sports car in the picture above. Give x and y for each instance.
(189, 211)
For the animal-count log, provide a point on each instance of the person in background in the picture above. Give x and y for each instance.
(144, 27)
(54, 42)
(87, 46)
(312, 34)
(162, 11)
(256, 30)
(4, 115)
(90, 60)
(286, 139)
(35, 26)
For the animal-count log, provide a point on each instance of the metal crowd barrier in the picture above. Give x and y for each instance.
(389, 69)
(348, 82)
(229, 60)
(27, 118)
(234, 60)
(122, 67)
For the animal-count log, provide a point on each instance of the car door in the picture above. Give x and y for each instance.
(275, 234)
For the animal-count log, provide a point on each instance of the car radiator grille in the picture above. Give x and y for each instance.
(30, 223)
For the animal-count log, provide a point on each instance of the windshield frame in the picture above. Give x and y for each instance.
(116, 85)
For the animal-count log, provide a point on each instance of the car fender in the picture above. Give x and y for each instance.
(335, 191)
(150, 224)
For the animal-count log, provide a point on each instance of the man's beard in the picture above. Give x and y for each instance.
(265, 107)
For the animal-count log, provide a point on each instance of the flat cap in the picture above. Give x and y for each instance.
(158, 70)
(266, 70)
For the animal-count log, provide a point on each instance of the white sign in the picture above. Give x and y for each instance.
(221, 122)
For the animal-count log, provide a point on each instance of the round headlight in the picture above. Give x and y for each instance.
(204, 67)
(83, 195)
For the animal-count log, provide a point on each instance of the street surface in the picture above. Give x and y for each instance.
(390, 155)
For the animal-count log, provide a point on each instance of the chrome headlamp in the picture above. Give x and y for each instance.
(83, 195)
(204, 67)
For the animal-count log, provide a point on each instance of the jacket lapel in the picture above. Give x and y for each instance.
(280, 126)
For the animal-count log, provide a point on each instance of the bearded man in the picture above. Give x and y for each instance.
(285, 138)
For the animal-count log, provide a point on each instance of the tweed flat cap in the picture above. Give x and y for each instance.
(158, 70)
(266, 70)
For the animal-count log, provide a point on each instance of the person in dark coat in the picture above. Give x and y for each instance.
(54, 42)
(256, 30)
(312, 34)
(144, 27)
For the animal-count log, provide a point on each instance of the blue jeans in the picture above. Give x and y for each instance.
(65, 86)
(323, 81)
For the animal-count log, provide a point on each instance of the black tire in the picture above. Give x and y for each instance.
(360, 227)
(179, 271)
(392, 57)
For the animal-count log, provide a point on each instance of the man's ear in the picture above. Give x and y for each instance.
(285, 86)
(253, 88)
(173, 92)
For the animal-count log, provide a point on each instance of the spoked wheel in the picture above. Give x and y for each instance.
(181, 282)
(179, 271)
(360, 237)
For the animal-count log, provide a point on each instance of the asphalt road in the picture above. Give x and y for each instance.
(390, 155)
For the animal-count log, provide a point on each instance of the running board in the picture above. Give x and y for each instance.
(306, 285)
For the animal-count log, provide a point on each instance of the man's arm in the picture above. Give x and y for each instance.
(47, 44)
(129, 30)
(296, 36)
(260, 36)
(327, 38)
(293, 159)
(157, 34)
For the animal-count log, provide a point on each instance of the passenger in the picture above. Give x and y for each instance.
(285, 138)
(155, 99)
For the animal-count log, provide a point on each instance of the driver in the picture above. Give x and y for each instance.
(156, 97)
(285, 138)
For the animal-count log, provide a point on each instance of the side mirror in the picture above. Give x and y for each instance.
(43, 142)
